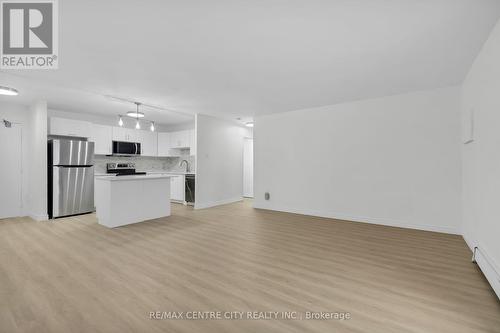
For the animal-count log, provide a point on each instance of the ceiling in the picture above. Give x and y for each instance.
(246, 58)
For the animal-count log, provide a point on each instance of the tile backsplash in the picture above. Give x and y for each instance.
(143, 163)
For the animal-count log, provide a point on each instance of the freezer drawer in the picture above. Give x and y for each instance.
(72, 190)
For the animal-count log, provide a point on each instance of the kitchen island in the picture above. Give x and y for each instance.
(122, 200)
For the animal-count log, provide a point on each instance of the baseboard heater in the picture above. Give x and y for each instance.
(488, 267)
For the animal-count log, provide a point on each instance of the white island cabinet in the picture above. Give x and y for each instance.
(122, 200)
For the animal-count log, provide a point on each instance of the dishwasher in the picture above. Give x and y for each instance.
(189, 189)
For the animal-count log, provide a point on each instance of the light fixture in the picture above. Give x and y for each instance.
(139, 116)
(249, 124)
(135, 114)
(8, 91)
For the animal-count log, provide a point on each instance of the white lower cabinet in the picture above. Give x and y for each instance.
(177, 188)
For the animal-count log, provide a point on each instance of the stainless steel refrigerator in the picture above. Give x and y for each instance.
(70, 177)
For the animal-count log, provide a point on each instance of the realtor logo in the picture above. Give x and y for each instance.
(29, 36)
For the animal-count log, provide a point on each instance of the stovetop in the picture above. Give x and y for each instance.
(129, 173)
(122, 169)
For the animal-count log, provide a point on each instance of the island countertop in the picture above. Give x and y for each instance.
(132, 177)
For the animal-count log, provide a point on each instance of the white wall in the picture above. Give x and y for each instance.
(392, 160)
(19, 114)
(481, 158)
(219, 161)
(37, 161)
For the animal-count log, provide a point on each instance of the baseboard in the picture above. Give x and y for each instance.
(489, 268)
(470, 242)
(363, 219)
(39, 217)
(216, 203)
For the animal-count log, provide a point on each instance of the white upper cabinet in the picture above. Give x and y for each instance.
(102, 136)
(179, 139)
(149, 143)
(163, 144)
(192, 142)
(69, 127)
(152, 143)
(125, 134)
(119, 134)
(174, 143)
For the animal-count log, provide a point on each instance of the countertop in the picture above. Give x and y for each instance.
(171, 172)
(108, 177)
(155, 172)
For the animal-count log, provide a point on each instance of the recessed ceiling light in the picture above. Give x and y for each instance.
(249, 124)
(135, 114)
(8, 91)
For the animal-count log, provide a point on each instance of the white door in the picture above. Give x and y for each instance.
(248, 168)
(11, 171)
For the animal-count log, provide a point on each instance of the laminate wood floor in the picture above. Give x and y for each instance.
(73, 275)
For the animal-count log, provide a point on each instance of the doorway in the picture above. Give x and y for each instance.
(11, 175)
(248, 167)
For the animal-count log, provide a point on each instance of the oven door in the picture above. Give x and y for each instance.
(126, 148)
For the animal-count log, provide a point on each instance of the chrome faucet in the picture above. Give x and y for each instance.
(187, 165)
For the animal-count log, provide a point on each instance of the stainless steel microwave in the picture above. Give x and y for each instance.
(126, 148)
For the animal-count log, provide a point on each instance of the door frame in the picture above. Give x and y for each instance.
(243, 163)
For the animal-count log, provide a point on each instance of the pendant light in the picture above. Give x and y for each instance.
(137, 125)
(152, 128)
(120, 121)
